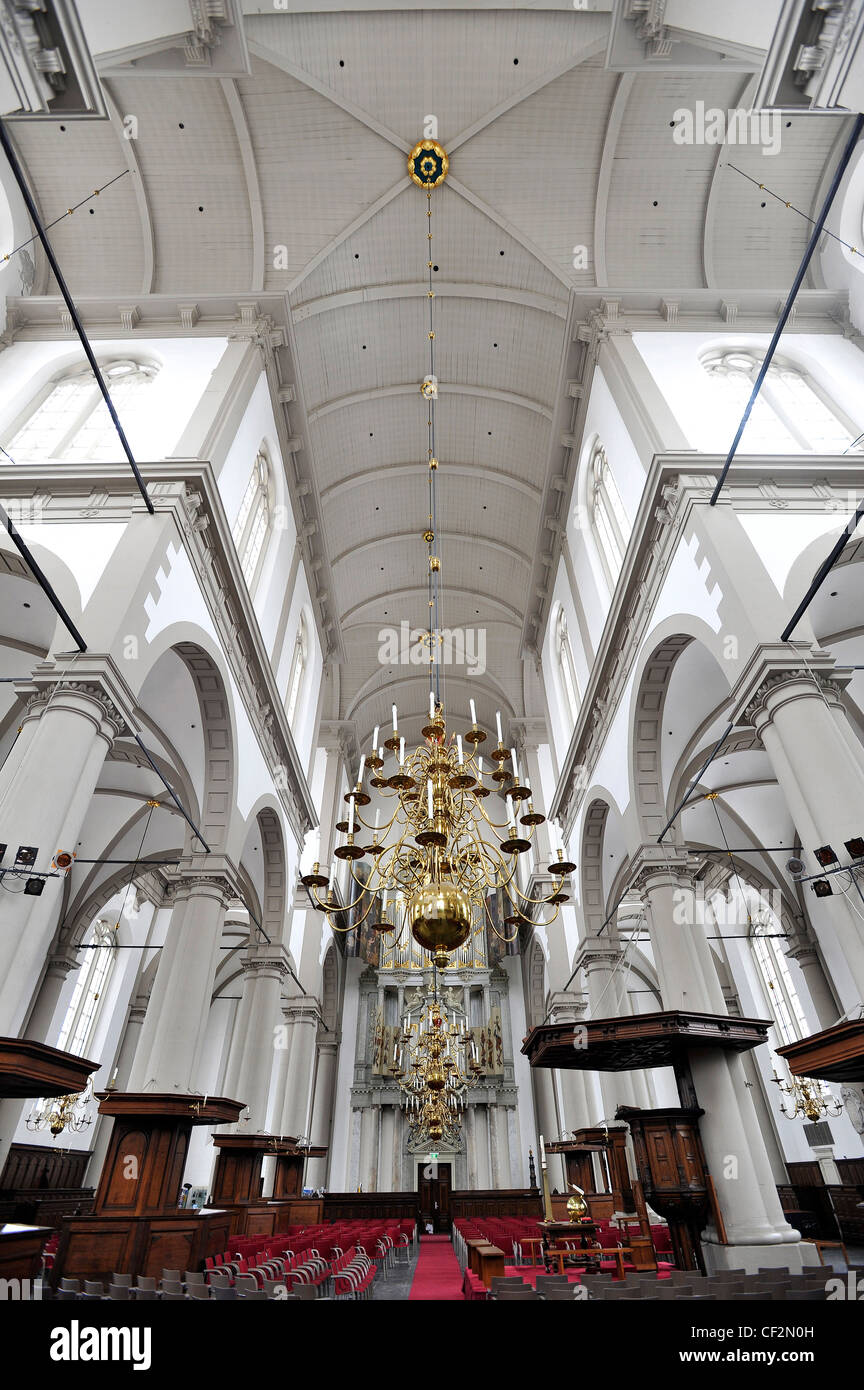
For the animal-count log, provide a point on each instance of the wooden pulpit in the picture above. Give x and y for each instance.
(673, 1174)
(136, 1226)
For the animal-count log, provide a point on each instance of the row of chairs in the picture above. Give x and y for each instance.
(172, 1288)
(730, 1285)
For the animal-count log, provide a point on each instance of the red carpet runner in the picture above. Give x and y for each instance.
(437, 1274)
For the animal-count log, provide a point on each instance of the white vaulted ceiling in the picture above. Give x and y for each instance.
(307, 153)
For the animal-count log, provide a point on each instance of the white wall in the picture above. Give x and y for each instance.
(705, 417)
(162, 409)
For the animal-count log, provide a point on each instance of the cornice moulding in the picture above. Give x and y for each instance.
(189, 491)
(675, 483)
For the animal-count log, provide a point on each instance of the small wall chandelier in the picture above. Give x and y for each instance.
(440, 855)
(806, 1099)
(63, 1112)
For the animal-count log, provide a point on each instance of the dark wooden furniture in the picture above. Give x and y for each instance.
(673, 1174)
(21, 1250)
(496, 1202)
(369, 1206)
(663, 1039)
(136, 1226)
(237, 1182)
(639, 1040)
(433, 1197)
(490, 1260)
(835, 1054)
(474, 1247)
(30, 1069)
(555, 1233)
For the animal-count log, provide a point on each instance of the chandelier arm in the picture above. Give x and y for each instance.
(332, 907)
(495, 929)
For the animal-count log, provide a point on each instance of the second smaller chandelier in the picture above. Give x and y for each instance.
(435, 1063)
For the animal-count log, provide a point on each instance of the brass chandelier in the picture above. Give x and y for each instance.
(434, 864)
(806, 1098)
(63, 1112)
(434, 1064)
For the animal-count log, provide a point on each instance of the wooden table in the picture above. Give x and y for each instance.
(473, 1247)
(491, 1260)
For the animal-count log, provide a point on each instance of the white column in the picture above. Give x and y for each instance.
(481, 1142)
(305, 1019)
(807, 958)
(386, 1147)
(368, 1148)
(40, 1020)
(606, 995)
(735, 1152)
(502, 1146)
(322, 1109)
(797, 711)
(548, 1125)
(251, 1055)
(46, 787)
(125, 1058)
(169, 1053)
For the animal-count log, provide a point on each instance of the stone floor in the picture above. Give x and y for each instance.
(396, 1284)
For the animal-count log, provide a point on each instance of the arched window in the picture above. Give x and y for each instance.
(253, 520)
(608, 518)
(295, 675)
(566, 666)
(790, 412)
(781, 995)
(71, 421)
(88, 996)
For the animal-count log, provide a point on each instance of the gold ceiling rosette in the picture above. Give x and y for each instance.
(428, 164)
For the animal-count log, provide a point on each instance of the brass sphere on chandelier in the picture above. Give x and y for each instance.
(440, 917)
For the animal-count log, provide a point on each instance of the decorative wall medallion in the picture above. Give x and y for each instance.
(428, 164)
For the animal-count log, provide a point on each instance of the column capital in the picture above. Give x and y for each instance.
(530, 732)
(302, 1009)
(60, 962)
(83, 684)
(566, 1007)
(655, 866)
(265, 961)
(596, 953)
(213, 876)
(338, 736)
(804, 953)
(778, 672)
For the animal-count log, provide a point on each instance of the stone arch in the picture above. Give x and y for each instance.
(72, 930)
(272, 898)
(652, 677)
(645, 762)
(591, 865)
(536, 985)
(217, 802)
(330, 990)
